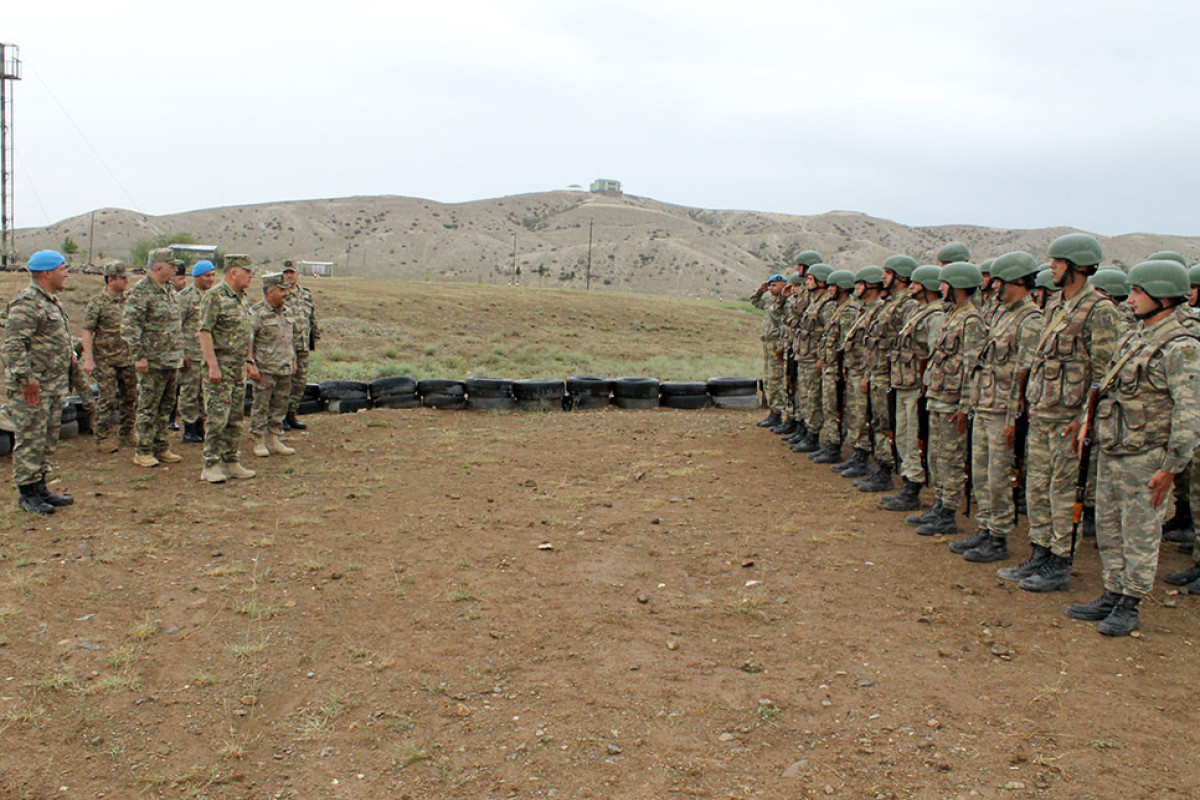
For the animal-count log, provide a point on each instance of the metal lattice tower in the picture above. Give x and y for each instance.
(10, 70)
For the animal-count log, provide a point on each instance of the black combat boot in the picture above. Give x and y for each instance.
(56, 500)
(1096, 610)
(907, 499)
(943, 522)
(809, 444)
(919, 519)
(828, 454)
(771, 421)
(193, 432)
(31, 500)
(1089, 522)
(1123, 619)
(1183, 578)
(1180, 535)
(860, 464)
(1027, 567)
(1054, 575)
(292, 424)
(878, 481)
(841, 465)
(1181, 521)
(963, 545)
(797, 435)
(785, 428)
(1187, 549)
(994, 549)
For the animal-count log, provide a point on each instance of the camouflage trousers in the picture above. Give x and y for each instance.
(271, 393)
(1128, 529)
(907, 428)
(80, 385)
(36, 431)
(299, 379)
(118, 391)
(191, 390)
(854, 414)
(947, 458)
(991, 473)
(808, 391)
(773, 379)
(224, 409)
(156, 401)
(831, 430)
(880, 421)
(1051, 468)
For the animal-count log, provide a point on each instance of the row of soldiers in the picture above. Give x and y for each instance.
(154, 346)
(990, 384)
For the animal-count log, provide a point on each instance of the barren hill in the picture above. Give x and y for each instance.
(638, 244)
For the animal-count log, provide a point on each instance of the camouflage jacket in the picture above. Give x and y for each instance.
(953, 358)
(36, 344)
(189, 315)
(273, 338)
(1150, 395)
(150, 324)
(1072, 354)
(772, 320)
(1012, 339)
(834, 338)
(915, 342)
(303, 311)
(857, 356)
(812, 327)
(103, 318)
(884, 332)
(225, 314)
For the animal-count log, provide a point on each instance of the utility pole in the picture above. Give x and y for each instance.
(587, 284)
(513, 275)
(10, 70)
(91, 236)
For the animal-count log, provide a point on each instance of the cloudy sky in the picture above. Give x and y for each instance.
(1016, 114)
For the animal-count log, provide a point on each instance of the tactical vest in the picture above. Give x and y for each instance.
(943, 374)
(1134, 414)
(857, 352)
(808, 335)
(1061, 372)
(882, 333)
(909, 353)
(998, 360)
(838, 323)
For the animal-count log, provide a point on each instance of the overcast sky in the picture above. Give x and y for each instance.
(1015, 114)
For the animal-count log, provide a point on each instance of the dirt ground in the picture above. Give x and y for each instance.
(609, 604)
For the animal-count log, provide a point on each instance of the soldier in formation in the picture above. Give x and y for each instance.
(272, 361)
(303, 310)
(191, 376)
(768, 297)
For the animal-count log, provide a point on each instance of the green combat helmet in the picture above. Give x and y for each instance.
(795, 278)
(1194, 275)
(1167, 255)
(1160, 279)
(841, 278)
(820, 272)
(809, 258)
(869, 275)
(929, 276)
(961, 275)
(903, 266)
(986, 266)
(1014, 266)
(1045, 280)
(955, 251)
(1078, 248)
(1112, 281)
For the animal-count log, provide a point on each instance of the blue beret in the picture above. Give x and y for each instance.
(45, 260)
(202, 267)
(776, 277)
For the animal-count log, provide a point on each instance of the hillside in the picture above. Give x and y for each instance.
(638, 244)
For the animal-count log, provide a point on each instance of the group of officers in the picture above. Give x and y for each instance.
(990, 384)
(165, 343)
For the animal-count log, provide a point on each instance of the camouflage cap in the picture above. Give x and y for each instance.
(160, 255)
(114, 270)
(180, 267)
(273, 279)
(238, 260)
(288, 266)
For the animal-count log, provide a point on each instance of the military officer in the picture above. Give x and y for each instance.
(303, 311)
(272, 359)
(106, 357)
(191, 377)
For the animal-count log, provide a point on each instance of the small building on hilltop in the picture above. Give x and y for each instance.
(606, 186)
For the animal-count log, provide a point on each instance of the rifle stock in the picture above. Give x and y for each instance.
(1085, 455)
(923, 420)
(1020, 441)
(839, 360)
(967, 479)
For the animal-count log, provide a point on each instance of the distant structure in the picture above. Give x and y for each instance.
(10, 70)
(606, 186)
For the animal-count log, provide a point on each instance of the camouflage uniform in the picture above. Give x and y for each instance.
(150, 327)
(1148, 419)
(115, 376)
(303, 311)
(191, 377)
(36, 347)
(1009, 350)
(913, 345)
(793, 310)
(1072, 354)
(840, 319)
(273, 343)
(807, 346)
(856, 360)
(951, 363)
(772, 339)
(882, 341)
(225, 314)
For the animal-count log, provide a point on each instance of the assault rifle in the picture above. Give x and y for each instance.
(967, 480)
(839, 360)
(790, 371)
(1020, 441)
(891, 407)
(923, 419)
(1085, 455)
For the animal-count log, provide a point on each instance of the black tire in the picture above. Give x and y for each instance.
(575, 402)
(732, 387)
(344, 390)
(410, 400)
(489, 388)
(441, 386)
(545, 404)
(536, 389)
(69, 430)
(636, 388)
(686, 401)
(312, 391)
(348, 406)
(589, 386)
(491, 403)
(70, 413)
(640, 403)
(682, 389)
(736, 401)
(443, 401)
(389, 387)
(6, 443)
(310, 406)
